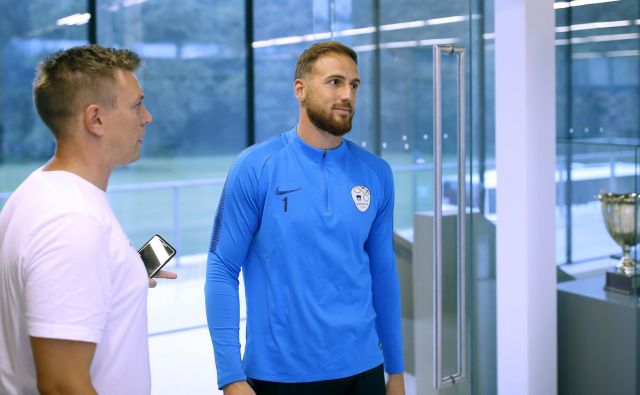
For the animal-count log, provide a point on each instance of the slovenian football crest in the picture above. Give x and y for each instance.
(361, 197)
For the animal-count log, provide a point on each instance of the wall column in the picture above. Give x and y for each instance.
(525, 162)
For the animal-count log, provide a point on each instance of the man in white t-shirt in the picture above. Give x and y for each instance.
(73, 291)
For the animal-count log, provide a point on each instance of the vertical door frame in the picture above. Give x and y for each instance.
(525, 164)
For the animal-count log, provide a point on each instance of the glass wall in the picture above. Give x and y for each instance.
(194, 78)
(598, 52)
(195, 84)
(598, 123)
(197, 59)
(29, 30)
(277, 46)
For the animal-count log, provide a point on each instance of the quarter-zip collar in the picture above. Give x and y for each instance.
(316, 154)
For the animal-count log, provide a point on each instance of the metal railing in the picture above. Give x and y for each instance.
(176, 187)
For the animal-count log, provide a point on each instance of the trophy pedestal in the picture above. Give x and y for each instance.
(598, 342)
(618, 282)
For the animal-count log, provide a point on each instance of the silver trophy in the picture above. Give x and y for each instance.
(622, 217)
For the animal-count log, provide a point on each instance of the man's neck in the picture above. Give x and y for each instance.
(315, 137)
(81, 165)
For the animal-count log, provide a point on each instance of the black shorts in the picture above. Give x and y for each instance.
(370, 382)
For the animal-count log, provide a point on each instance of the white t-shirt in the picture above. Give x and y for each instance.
(67, 271)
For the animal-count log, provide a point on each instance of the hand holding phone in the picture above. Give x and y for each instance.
(162, 274)
(155, 253)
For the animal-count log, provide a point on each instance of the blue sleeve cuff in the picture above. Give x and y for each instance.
(395, 369)
(393, 359)
(232, 378)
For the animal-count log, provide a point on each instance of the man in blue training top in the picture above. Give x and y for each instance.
(308, 216)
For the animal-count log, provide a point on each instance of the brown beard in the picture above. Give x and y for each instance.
(324, 120)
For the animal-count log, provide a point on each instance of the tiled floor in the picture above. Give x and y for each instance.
(179, 343)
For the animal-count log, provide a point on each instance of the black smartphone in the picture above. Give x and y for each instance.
(155, 253)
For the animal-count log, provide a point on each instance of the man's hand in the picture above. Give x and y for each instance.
(238, 388)
(395, 385)
(161, 274)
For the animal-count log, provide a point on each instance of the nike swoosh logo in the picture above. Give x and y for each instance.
(279, 192)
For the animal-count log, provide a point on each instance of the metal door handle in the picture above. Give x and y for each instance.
(461, 374)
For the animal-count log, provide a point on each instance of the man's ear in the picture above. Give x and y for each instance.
(298, 89)
(92, 119)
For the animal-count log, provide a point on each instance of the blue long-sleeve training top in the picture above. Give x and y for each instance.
(312, 231)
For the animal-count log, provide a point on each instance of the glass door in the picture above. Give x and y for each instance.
(434, 119)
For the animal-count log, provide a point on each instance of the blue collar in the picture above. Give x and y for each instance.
(316, 154)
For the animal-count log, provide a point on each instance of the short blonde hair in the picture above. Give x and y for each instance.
(69, 80)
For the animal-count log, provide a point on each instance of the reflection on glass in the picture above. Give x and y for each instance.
(598, 94)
